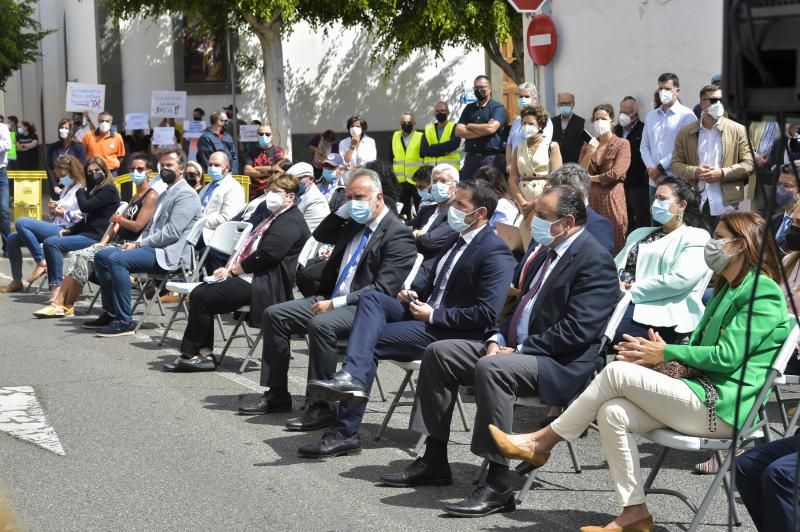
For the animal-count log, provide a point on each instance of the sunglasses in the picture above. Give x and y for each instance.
(713, 100)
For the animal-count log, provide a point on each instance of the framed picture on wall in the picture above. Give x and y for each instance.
(201, 58)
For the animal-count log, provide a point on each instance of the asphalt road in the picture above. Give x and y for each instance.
(148, 450)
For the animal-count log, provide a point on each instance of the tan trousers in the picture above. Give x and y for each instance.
(627, 399)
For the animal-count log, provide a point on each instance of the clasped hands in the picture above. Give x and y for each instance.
(708, 174)
(641, 351)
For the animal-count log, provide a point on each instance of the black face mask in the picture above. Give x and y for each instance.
(441, 117)
(93, 178)
(191, 180)
(168, 176)
(480, 94)
(792, 237)
(407, 128)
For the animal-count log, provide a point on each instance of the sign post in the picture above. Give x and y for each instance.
(540, 39)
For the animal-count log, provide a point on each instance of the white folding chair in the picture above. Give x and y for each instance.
(614, 321)
(226, 239)
(752, 429)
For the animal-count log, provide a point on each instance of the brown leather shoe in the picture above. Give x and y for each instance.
(13, 286)
(642, 525)
(515, 452)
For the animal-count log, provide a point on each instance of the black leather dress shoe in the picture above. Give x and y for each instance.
(484, 501)
(193, 364)
(419, 474)
(315, 417)
(342, 387)
(333, 443)
(268, 403)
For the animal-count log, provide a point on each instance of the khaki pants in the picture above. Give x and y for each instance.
(627, 399)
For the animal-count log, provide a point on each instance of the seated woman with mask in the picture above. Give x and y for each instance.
(260, 273)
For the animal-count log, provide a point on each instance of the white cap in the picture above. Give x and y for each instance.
(301, 170)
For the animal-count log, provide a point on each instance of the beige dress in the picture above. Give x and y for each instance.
(533, 167)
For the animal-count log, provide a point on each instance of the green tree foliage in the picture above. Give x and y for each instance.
(20, 34)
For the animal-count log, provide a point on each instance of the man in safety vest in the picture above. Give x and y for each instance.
(407, 160)
(439, 145)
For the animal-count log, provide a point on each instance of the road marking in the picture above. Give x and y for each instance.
(22, 416)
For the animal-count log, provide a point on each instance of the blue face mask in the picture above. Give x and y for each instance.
(424, 194)
(359, 211)
(138, 177)
(265, 141)
(65, 181)
(565, 110)
(660, 211)
(215, 172)
(329, 175)
(540, 231)
(455, 219)
(784, 198)
(440, 192)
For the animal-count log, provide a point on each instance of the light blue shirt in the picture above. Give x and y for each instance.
(660, 129)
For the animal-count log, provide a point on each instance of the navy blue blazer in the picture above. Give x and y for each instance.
(569, 317)
(430, 244)
(476, 288)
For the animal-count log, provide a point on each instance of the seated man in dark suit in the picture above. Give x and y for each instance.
(430, 226)
(372, 252)
(459, 297)
(568, 293)
(786, 195)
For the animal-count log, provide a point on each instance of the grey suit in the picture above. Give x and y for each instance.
(177, 210)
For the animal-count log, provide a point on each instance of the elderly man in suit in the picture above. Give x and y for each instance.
(373, 250)
(544, 347)
(568, 128)
(161, 248)
(430, 226)
(461, 294)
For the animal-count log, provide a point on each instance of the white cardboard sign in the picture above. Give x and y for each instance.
(85, 97)
(168, 104)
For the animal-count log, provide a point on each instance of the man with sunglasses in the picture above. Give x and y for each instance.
(214, 139)
(103, 143)
(713, 155)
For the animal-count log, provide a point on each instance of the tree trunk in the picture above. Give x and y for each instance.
(515, 69)
(269, 36)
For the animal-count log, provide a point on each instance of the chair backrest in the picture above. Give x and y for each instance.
(615, 320)
(228, 236)
(309, 251)
(413, 273)
(195, 232)
(122, 206)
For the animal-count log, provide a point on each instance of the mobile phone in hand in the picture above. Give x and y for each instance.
(586, 136)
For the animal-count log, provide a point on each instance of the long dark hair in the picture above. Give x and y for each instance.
(684, 192)
(748, 227)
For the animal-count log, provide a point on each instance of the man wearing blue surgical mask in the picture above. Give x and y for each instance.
(786, 196)
(568, 128)
(259, 165)
(430, 226)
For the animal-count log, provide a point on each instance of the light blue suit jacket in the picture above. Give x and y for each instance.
(177, 209)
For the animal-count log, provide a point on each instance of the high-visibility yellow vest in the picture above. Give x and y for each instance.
(453, 157)
(407, 160)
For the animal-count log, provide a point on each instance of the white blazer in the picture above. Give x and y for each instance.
(225, 203)
(314, 207)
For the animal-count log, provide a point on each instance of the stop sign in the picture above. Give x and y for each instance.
(541, 39)
(526, 6)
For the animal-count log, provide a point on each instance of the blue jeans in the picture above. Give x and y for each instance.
(30, 233)
(765, 478)
(5, 209)
(56, 247)
(113, 268)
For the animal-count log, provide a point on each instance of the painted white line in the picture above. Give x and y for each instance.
(22, 416)
(240, 380)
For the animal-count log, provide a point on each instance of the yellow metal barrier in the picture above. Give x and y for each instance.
(28, 192)
(242, 179)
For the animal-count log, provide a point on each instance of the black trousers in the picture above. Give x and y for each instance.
(638, 201)
(408, 196)
(498, 381)
(280, 321)
(206, 301)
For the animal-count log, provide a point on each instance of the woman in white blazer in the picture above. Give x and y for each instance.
(663, 267)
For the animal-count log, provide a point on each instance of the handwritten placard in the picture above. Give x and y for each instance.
(193, 129)
(134, 121)
(85, 97)
(168, 104)
(248, 133)
(163, 136)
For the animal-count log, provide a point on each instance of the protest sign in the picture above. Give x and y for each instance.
(168, 104)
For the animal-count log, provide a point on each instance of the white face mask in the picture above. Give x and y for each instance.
(624, 120)
(665, 95)
(355, 131)
(63, 133)
(530, 130)
(715, 110)
(602, 126)
(273, 200)
(104, 127)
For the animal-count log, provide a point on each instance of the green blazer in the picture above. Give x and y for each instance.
(717, 346)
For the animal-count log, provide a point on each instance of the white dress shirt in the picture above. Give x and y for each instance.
(660, 129)
(365, 151)
(709, 152)
(340, 297)
(68, 201)
(468, 237)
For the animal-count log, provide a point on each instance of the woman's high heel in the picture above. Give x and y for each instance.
(642, 525)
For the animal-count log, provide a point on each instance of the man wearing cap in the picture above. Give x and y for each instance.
(258, 165)
(332, 185)
(312, 203)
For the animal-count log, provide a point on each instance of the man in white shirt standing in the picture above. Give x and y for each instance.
(5, 211)
(661, 126)
(713, 154)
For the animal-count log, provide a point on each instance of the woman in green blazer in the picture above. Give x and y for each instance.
(629, 397)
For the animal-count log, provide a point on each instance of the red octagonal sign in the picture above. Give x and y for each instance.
(541, 39)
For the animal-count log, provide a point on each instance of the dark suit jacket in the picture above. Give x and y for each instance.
(476, 288)
(430, 244)
(569, 316)
(274, 262)
(384, 264)
(775, 224)
(637, 171)
(570, 141)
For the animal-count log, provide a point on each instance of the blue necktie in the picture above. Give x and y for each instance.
(784, 226)
(208, 193)
(353, 260)
(441, 279)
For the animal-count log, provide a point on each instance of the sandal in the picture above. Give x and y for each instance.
(38, 272)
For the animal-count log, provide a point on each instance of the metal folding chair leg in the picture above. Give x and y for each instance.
(574, 457)
(221, 328)
(233, 335)
(398, 396)
(420, 445)
(181, 305)
(150, 304)
(460, 406)
(380, 387)
(250, 353)
(94, 300)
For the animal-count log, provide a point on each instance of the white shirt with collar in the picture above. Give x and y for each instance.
(525, 317)
(658, 138)
(340, 297)
(709, 152)
(468, 237)
(365, 152)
